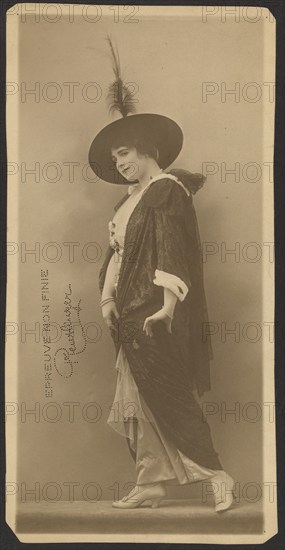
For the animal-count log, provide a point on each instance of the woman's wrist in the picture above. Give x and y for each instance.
(109, 291)
(106, 300)
(167, 312)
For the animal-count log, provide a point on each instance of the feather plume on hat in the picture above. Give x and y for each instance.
(119, 97)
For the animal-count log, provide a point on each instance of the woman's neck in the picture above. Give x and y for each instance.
(151, 173)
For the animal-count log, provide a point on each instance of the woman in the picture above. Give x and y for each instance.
(154, 304)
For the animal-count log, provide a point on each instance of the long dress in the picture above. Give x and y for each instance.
(157, 457)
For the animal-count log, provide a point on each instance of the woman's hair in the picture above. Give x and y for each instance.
(142, 144)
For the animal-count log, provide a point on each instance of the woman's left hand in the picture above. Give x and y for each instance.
(160, 315)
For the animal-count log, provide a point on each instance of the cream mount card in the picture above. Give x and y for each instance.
(87, 421)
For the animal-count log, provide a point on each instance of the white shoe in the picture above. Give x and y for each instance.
(223, 488)
(136, 497)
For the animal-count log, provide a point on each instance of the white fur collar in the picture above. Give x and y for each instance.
(163, 175)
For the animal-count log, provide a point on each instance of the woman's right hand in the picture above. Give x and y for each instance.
(109, 311)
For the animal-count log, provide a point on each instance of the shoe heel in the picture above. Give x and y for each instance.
(156, 502)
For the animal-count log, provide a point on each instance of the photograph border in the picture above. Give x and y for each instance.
(7, 538)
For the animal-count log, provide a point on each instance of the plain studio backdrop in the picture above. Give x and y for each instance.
(170, 62)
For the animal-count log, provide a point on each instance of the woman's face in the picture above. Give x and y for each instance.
(129, 163)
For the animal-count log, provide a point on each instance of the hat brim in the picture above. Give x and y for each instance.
(165, 134)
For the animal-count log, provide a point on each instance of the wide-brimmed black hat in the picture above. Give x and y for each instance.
(159, 131)
(163, 133)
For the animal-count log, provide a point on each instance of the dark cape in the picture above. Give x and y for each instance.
(162, 233)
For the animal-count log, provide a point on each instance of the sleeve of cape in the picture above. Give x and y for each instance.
(167, 200)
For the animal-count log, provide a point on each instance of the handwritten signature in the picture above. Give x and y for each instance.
(64, 357)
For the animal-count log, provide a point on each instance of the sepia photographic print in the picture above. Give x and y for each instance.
(140, 291)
